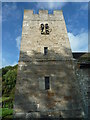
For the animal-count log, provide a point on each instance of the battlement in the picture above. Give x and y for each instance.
(43, 15)
(43, 12)
(55, 12)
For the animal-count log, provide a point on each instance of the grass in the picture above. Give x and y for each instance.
(6, 112)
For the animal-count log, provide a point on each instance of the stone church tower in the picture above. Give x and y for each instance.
(46, 86)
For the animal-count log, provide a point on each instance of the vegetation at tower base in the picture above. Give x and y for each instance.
(9, 75)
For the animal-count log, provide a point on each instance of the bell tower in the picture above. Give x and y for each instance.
(46, 85)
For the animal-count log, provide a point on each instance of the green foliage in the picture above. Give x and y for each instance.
(9, 75)
(6, 112)
(6, 69)
(10, 78)
(2, 99)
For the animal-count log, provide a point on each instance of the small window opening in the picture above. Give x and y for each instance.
(47, 28)
(45, 50)
(47, 83)
(42, 28)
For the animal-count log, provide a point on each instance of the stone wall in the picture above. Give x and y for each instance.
(31, 98)
(33, 41)
(83, 78)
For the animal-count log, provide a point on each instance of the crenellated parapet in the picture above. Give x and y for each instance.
(43, 15)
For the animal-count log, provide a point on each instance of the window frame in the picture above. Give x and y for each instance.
(47, 83)
(45, 50)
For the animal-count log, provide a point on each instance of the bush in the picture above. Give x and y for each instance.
(8, 79)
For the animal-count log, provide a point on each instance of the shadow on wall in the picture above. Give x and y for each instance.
(62, 99)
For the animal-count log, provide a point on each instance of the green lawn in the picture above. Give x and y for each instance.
(6, 112)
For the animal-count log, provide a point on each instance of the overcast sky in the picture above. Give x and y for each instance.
(76, 18)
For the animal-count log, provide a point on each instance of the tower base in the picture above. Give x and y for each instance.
(52, 115)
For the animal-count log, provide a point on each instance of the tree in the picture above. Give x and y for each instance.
(8, 79)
